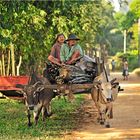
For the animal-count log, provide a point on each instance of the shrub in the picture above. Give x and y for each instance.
(130, 56)
(137, 71)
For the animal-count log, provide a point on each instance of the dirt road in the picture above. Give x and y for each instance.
(126, 122)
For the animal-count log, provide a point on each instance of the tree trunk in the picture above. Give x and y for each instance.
(3, 65)
(124, 45)
(19, 64)
(0, 67)
(8, 63)
(139, 42)
(13, 59)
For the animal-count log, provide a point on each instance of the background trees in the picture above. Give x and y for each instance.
(129, 21)
(28, 29)
(22, 32)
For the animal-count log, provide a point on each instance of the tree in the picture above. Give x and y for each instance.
(31, 27)
(23, 26)
(125, 21)
(135, 8)
(104, 36)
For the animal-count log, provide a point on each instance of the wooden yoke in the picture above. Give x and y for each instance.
(67, 88)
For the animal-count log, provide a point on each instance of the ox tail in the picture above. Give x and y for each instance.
(111, 114)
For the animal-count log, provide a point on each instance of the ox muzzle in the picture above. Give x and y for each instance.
(31, 107)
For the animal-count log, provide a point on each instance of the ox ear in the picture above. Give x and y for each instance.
(113, 80)
(37, 83)
(98, 78)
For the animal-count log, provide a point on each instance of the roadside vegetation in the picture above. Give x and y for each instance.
(127, 22)
(131, 57)
(137, 71)
(13, 120)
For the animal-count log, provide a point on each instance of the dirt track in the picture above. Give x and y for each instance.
(126, 122)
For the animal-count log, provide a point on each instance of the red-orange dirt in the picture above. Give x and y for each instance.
(126, 122)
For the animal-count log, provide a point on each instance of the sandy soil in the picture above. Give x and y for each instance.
(126, 122)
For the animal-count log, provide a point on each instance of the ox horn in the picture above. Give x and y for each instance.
(40, 88)
(37, 83)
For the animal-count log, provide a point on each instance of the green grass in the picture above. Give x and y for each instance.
(13, 120)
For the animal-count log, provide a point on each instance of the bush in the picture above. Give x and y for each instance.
(130, 56)
(133, 62)
(137, 71)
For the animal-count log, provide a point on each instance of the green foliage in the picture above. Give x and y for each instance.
(116, 40)
(31, 26)
(125, 21)
(133, 62)
(106, 36)
(135, 7)
(13, 124)
(128, 22)
(80, 17)
(134, 41)
(23, 25)
(131, 56)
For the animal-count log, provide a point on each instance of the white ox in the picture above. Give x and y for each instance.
(104, 94)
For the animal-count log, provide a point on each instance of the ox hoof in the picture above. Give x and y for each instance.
(98, 120)
(50, 114)
(29, 124)
(102, 122)
(107, 126)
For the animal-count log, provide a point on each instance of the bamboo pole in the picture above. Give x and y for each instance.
(8, 63)
(124, 45)
(0, 67)
(19, 64)
(139, 42)
(13, 59)
(3, 65)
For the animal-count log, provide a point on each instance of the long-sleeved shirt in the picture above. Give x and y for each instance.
(66, 52)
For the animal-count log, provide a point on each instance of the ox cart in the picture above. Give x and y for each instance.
(8, 85)
(57, 80)
(86, 75)
(73, 79)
